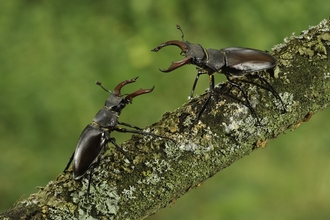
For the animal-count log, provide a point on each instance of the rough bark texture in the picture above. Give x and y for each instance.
(166, 169)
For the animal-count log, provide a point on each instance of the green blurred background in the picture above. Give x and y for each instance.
(51, 53)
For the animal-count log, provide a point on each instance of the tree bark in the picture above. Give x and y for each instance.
(165, 169)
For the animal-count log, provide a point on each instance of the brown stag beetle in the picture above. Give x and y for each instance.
(95, 137)
(233, 62)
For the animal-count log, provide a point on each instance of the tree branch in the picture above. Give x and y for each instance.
(166, 169)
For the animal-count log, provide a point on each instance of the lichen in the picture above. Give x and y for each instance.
(288, 101)
(103, 199)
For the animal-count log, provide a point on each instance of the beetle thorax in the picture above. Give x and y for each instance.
(106, 118)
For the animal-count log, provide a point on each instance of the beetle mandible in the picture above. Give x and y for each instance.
(95, 137)
(233, 62)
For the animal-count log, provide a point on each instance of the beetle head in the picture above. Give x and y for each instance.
(116, 101)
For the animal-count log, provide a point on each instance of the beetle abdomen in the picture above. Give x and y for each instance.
(90, 145)
(246, 60)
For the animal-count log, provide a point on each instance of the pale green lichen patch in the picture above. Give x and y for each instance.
(129, 193)
(196, 149)
(31, 201)
(235, 115)
(326, 75)
(156, 167)
(244, 128)
(103, 199)
(315, 38)
(288, 101)
(285, 79)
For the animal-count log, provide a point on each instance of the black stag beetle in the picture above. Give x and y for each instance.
(95, 137)
(233, 62)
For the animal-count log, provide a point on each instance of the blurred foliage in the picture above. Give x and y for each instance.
(52, 52)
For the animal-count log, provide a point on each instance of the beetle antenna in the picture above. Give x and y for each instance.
(182, 34)
(100, 84)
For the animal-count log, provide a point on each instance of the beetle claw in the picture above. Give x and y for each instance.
(138, 92)
(177, 64)
(184, 49)
(182, 45)
(156, 49)
(116, 91)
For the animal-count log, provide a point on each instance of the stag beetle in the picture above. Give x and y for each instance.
(95, 137)
(233, 62)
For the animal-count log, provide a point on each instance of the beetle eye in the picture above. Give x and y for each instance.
(197, 61)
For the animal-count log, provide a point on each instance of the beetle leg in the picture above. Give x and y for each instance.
(247, 103)
(211, 77)
(124, 130)
(129, 125)
(113, 141)
(90, 179)
(273, 91)
(200, 72)
(68, 165)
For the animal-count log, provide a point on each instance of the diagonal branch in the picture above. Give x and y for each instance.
(165, 170)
